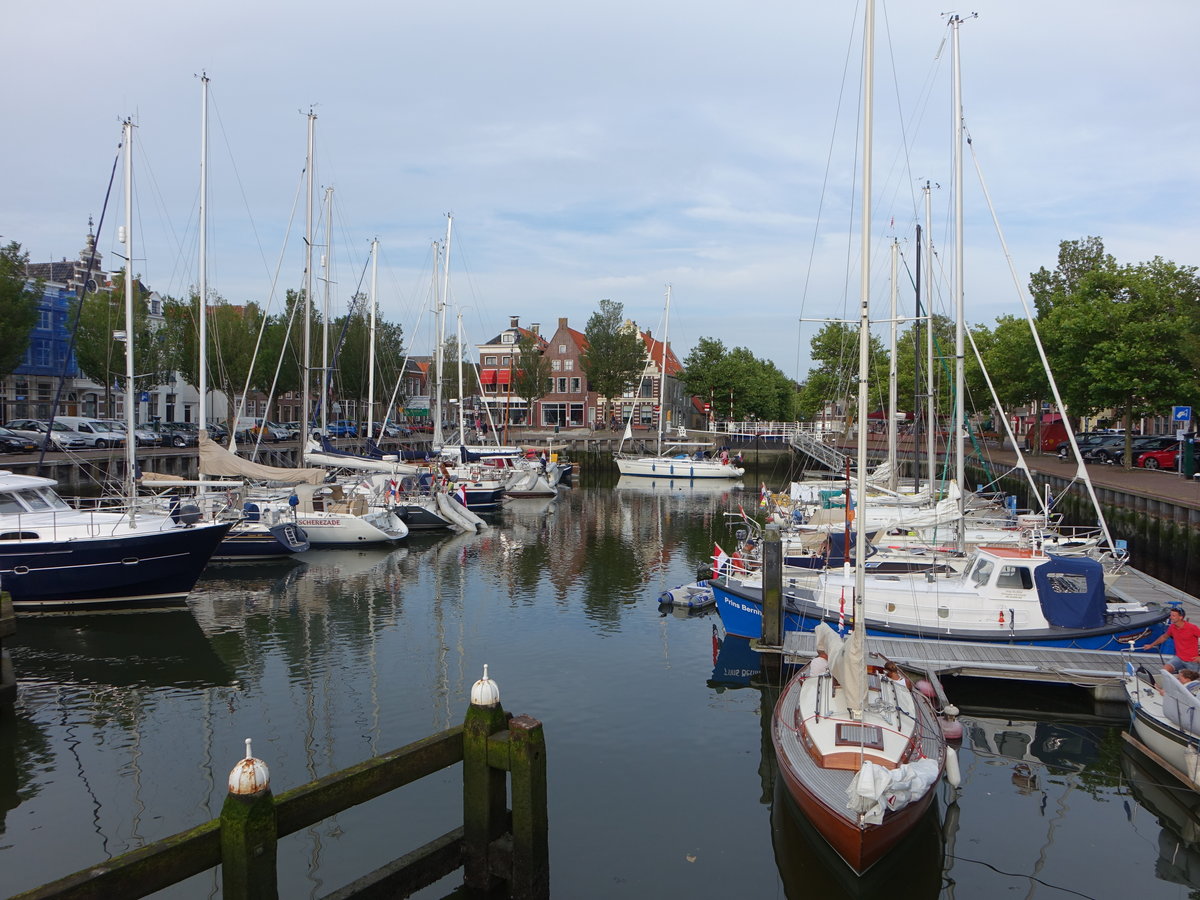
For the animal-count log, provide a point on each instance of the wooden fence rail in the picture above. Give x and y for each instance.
(496, 847)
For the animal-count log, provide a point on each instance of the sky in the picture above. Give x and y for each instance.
(596, 151)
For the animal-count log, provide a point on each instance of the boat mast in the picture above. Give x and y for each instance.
(856, 675)
(326, 379)
(462, 416)
(893, 477)
(202, 375)
(371, 347)
(917, 370)
(662, 369)
(930, 395)
(127, 239)
(960, 407)
(439, 438)
(305, 392)
(438, 350)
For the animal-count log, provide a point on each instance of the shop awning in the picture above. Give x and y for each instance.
(487, 376)
(502, 376)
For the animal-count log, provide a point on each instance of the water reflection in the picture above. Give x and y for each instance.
(1177, 812)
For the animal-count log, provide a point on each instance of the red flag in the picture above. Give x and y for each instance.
(720, 560)
(462, 493)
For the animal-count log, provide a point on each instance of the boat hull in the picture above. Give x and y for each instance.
(740, 609)
(156, 568)
(666, 467)
(260, 542)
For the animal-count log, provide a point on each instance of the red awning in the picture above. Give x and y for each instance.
(487, 376)
(502, 376)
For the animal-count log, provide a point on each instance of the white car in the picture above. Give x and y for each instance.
(97, 432)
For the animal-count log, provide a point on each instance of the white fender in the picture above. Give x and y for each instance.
(953, 775)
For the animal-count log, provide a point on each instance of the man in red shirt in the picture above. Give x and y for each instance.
(1187, 642)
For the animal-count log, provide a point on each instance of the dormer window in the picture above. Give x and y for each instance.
(507, 338)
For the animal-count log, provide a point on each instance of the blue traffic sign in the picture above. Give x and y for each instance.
(1181, 413)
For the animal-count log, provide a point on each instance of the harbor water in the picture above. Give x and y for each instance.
(661, 776)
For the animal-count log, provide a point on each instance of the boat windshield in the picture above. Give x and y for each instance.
(55, 501)
(9, 504)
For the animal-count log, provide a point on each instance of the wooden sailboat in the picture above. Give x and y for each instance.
(860, 750)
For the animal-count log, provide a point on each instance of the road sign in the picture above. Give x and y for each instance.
(145, 397)
(1181, 413)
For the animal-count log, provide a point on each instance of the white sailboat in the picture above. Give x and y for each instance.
(860, 750)
(676, 459)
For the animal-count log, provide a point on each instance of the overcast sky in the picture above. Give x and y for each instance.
(604, 150)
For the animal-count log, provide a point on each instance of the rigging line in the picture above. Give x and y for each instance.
(337, 348)
(237, 177)
(87, 280)
(812, 250)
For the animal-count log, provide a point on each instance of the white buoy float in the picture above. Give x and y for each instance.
(485, 692)
(250, 776)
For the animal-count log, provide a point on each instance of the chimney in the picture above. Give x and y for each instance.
(534, 327)
(512, 321)
(562, 323)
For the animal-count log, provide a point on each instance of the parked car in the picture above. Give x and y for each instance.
(342, 428)
(1163, 456)
(180, 434)
(1110, 449)
(97, 432)
(293, 430)
(143, 434)
(59, 438)
(254, 426)
(1085, 440)
(11, 442)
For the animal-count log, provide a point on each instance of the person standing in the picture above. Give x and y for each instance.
(1187, 642)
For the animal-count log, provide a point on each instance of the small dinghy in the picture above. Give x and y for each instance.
(692, 596)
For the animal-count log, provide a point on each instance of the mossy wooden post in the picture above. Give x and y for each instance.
(484, 787)
(530, 825)
(8, 627)
(249, 833)
(772, 588)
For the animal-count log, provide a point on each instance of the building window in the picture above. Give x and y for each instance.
(568, 365)
(549, 385)
(45, 319)
(562, 348)
(507, 338)
(489, 360)
(576, 385)
(555, 365)
(562, 385)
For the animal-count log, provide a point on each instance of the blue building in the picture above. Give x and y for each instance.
(30, 390)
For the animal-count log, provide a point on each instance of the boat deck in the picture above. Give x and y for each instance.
(1057, 665)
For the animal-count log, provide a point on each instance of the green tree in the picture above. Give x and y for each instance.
(615, 356)
(101, 356)
(354, 355)
(18, 307)
(531, 378)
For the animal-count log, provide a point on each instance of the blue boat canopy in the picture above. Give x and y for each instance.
(1071, 591)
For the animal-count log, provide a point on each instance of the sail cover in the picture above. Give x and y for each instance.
(216, 460)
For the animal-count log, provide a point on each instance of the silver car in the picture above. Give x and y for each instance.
(60, 438)
(143, 434)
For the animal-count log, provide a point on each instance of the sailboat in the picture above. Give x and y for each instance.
(859, 749)
(677, 459)
(55, 556)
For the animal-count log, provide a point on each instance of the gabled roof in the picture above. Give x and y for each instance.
(539, 341)
(655, 350)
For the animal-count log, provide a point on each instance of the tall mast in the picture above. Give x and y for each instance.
(662, 369)
(202, 376)
(305, 391)
(439, 339)
(960, 408)
(462, 416)
(891, 424)
(130, 457)
(856, 689)
(930, 395)
(371, 349)
(439, 438)
(917, 370)
(326, 375)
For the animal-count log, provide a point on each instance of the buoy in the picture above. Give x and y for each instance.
(250, 776)
(485, 692)
(926, 688)
(952, 729)
(953, 775)
(1000, 617)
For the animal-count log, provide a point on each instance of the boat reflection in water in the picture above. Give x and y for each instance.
(1177, 811)
(809, 867)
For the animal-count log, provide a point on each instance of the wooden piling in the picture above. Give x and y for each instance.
(249, 834)
(8, 627)
(484, 796)
(530, 825)
(772, 589)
